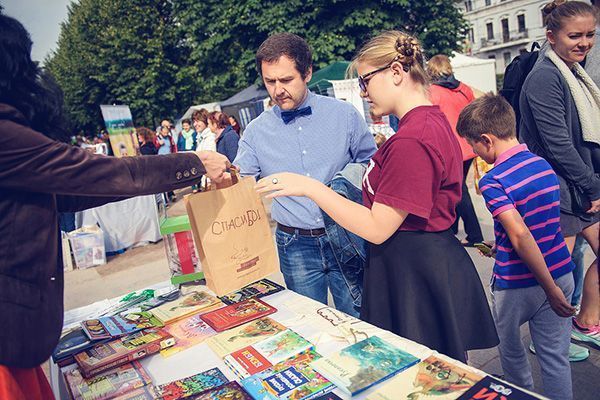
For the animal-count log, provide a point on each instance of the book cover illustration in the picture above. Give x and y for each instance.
(261, 288)
(237, 314)
(254, 383)
(104, 356)
(107, 385)
(293, 378)
(228, 391)
(245, 335)
(432, 377)
(490, 388)
(191, 303)
(192, 385)
(362, 365)
(187, 332)
(266, 353)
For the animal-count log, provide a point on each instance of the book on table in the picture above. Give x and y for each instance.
(237, 314)
(71, 343)
(490, 388)
(187, 332)
(227, 342)
(192, 385)
(191, 303)
(106, 385)
(266, 353)
(231, 390)
(364, 364)
(258, 289)
(293, 378)
(436, 376)
(108, 355)
(115, 326)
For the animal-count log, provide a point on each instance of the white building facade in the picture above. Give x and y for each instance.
(501, 29)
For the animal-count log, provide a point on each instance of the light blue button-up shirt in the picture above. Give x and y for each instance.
(317, 145)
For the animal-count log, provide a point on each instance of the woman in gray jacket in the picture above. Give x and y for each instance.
(560, 110)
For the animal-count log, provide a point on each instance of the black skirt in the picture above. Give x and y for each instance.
(423, 286)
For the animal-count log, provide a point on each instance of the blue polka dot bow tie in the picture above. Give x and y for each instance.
(289, 116)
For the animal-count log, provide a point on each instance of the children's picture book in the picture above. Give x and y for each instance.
(107, 385)
(72, 343)
(189, 304)
(107, 327)
(192, 385)
(228, 391)
(103, 357)
(237, 314)
(490, 388)
(245, 335)
(258, 289)
(328, 396)
(266, 353)
(115, 326)
(364, 364)
(187, 332)
(144, 393)
(433, 377)
(293, 378)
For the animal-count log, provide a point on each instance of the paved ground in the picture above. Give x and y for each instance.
(140, 267)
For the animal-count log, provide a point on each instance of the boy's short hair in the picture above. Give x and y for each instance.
(186, 121)
(490, 114)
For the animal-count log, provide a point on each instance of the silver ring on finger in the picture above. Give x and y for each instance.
(275, 181)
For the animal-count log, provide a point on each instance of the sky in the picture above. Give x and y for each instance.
(42, 19)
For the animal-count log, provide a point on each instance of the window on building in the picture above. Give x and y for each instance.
(492, 56)
(488, 2)
(505, 32)
(523, 50)
(468, 5)
(507, 58)
(471, 35)
(490, 30)
(521, 22)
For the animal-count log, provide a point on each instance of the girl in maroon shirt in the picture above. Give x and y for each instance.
(420, 282)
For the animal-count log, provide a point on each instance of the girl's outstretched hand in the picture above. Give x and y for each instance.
(286, 184)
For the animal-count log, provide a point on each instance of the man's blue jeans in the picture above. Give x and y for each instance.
(309, 267)
(579, 271)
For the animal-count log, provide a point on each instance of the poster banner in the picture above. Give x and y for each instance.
(119, 125)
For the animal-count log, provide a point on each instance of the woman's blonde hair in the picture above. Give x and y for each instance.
(390, 46)
(439, 66)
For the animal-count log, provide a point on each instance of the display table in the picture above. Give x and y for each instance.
(126, 223)
(314, 321)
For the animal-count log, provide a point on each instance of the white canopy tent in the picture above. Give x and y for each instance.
(476, 72)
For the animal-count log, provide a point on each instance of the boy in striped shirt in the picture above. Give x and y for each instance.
(532, 280)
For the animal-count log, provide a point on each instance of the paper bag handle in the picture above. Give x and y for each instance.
(235, 178)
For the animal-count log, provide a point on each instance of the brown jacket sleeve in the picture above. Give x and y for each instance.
(29, 161)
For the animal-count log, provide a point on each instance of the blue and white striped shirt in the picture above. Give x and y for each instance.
(317, 145)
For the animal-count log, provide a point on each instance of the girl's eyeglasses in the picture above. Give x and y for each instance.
(363, 80)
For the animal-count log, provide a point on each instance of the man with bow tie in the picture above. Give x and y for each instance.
(307, 134)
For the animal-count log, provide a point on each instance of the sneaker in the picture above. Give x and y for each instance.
(590, 334)
(576, 352)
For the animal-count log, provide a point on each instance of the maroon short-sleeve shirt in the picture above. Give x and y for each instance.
(418, 170)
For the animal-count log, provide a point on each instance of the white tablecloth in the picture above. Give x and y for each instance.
(125, 224)
(314, 321)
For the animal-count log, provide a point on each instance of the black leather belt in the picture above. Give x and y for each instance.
(301, 232)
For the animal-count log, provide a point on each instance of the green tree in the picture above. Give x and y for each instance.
(161, 56)
(117, 52)
(220, 37)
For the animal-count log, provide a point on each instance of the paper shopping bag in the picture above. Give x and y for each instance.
(232, 235)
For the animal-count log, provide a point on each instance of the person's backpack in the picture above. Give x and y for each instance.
(514, 77)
